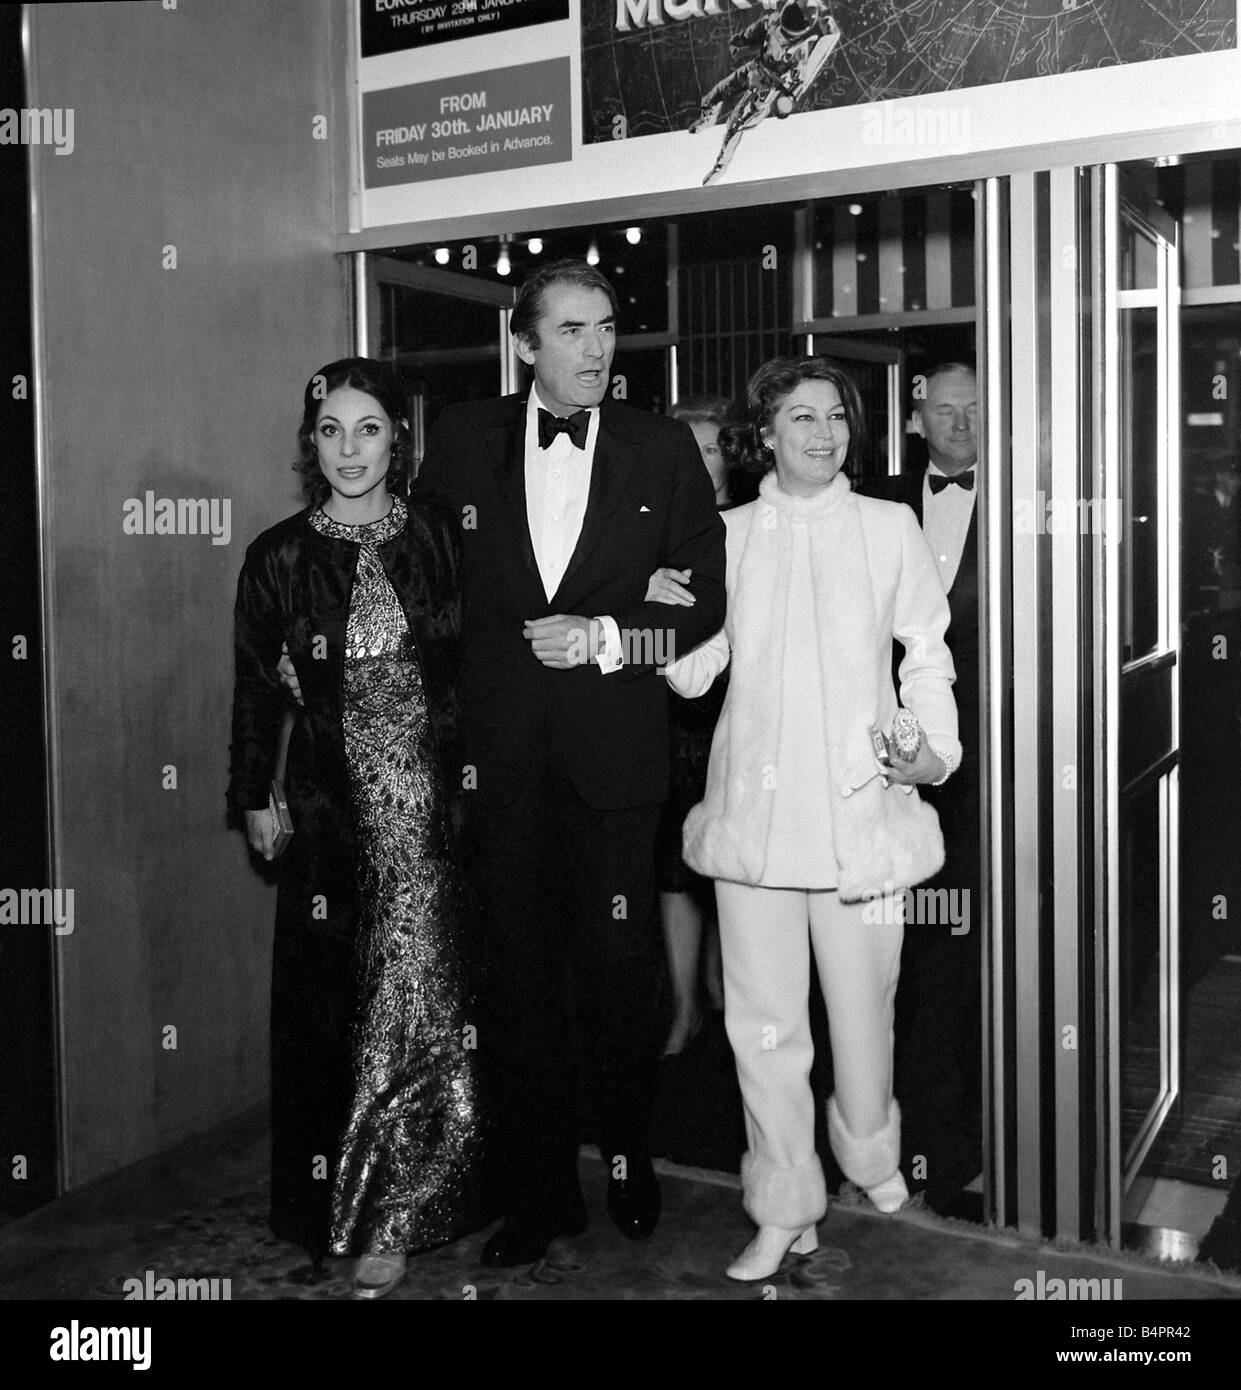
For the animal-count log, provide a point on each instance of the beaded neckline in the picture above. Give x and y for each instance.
(368, 532)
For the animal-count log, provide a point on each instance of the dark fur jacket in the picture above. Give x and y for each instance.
(295, 588)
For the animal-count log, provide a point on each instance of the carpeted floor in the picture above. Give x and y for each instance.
(1202, 1137)
(199, 1213)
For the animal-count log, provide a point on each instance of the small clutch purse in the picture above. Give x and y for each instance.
(903, 743)
(281, 820)
(906, 736)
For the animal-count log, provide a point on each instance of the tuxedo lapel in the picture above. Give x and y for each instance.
(508, 450)
(914, 495)
(607, 487)
(969, 556)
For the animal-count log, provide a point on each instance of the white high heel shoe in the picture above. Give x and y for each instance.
(765, 1253)
(889, 1196)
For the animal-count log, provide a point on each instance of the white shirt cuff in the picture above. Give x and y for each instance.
(610, 656)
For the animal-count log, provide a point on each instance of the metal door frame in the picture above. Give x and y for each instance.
(1116, 200)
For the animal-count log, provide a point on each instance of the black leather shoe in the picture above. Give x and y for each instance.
(634, 1201)
(523, 1242)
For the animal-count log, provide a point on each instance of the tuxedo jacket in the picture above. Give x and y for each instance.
(650, 504)
(962, 602)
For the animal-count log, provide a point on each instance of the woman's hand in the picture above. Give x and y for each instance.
(288, 676)
(261, 832)
(668, 586)
(926, 767)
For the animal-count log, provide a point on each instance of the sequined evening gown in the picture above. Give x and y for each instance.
(413, 1130)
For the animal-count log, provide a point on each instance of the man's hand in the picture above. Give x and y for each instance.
(668, 586)
(562, 641)
(261, 832)
(289, 677)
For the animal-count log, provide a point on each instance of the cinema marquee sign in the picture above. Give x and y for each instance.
(641, 14)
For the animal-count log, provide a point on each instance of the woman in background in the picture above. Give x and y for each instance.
(686, 899)
(809, 836)
(375, 1119)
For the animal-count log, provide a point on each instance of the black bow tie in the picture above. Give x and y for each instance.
(575, 427)
(966, 480)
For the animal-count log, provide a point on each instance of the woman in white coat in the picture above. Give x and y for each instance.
(809, 836)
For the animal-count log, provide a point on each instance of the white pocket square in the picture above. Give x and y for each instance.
(644, 509)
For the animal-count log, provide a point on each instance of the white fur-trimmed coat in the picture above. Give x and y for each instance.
(862, 567)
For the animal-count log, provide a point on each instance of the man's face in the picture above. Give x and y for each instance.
(948, 420)
(577, 337)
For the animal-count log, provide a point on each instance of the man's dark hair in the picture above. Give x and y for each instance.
(569, 271)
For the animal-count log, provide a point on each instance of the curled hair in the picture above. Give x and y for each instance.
(764, 392)
(528, 307)
(375, 379)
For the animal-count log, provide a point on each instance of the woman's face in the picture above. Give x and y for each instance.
(708, 436)
(353, 436)
(809, 436)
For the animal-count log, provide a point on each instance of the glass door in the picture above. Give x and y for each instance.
(877, 371)
(445, 333)
(1139, 309)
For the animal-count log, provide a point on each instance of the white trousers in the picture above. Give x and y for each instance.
(765, 940)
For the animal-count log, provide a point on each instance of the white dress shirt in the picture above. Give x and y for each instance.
(557, 491)
(946, 522)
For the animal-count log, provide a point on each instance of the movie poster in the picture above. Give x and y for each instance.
(716, 68)
(391, 26)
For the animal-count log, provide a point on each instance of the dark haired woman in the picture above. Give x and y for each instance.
(811, 838)
(374, 1105)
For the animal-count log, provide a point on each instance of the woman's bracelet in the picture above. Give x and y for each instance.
(949, 760)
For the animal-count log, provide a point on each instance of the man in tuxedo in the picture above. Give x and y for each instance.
(569, 501)
(938, 1029)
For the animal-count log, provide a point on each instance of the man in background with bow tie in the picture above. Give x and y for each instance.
(569, 501)
(938, 1030)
